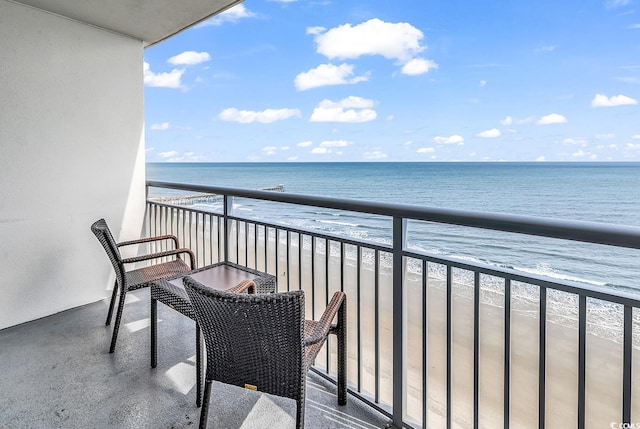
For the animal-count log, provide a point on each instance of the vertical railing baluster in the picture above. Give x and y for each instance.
(359, 318)
(313, 277)
(507, 353)
(300, 241)
(376, 321)
(476, 350)
(227, 209)
(256, 234)
(398, 324)
(246, 244)
(627, 364)
(199, 264)
(542, 359)
(288, 256)
(582, 359)
(237, 222)
(277, 253)
(266, 249)
(425, 344)
(449, 344)
(327, 254)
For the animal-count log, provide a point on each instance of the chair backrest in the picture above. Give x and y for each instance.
(252, 340)
(102, 232)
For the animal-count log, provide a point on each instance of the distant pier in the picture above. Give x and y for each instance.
(185, 200)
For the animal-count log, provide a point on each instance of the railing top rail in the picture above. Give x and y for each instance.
(587, 232)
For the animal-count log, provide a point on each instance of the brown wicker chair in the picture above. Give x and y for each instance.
(135, 279)
(262, 341)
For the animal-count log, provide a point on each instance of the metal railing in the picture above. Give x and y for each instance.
(502, 328)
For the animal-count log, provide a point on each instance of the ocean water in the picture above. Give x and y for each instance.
(596, 192)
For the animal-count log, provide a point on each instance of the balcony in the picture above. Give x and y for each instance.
(434, 341)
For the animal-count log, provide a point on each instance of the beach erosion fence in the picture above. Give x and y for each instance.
(468, 346)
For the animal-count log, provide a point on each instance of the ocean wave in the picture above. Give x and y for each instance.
(547, 271)
(335, 222)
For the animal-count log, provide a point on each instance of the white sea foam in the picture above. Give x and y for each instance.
(335, 222)
(547, 271)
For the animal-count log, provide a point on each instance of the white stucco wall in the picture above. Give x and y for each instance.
(71, 152)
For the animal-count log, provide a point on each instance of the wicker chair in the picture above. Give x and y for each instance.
(262, 342)
(135, 279)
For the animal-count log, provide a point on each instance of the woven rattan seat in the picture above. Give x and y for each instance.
(263, 342)
(141, 277)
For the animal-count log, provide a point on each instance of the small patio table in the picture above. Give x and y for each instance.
(222, 275)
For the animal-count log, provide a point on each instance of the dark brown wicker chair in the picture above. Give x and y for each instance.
(135, 279)
(263, 342)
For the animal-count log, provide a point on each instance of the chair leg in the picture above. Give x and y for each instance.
(198, 367)
(154, 333)
(204, 412)
(342, 353)
(113, 300)
(300, 413)
(116, 326)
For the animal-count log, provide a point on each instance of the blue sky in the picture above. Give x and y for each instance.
(410, 80)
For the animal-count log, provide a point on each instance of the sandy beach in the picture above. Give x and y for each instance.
(604, 351)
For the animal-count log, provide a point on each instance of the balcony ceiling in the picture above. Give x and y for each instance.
(150, 21)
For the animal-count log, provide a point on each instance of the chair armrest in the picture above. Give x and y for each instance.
(151, 239)
(324, 325)
(161, 255)
(248, 286)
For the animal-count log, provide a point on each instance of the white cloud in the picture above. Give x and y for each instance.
(232, 15)
(636, 136)
(579, 154)
(327, 74)
(553, 118)
(174, 156)
(634, 26)
(509, 120)
(350, 109)
(549, 48)
(189, 58)
(269, 150)
(315, 30)
(304, 144)
(601, 100)
(395, 41)
(266, 116)
(605, 136)
(488, 134)
(418, 66)
(376, 154)
(335, 143)
(612, 4)
(284, 148)
(426, 150)
(454, 139)
(160, 127)
(168, 154)
(320, 150)
(162, 80)
(629, 79)
(540, 159)
(576, 141)
(483, 83)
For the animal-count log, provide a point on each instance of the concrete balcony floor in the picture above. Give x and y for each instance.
(56, 372)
